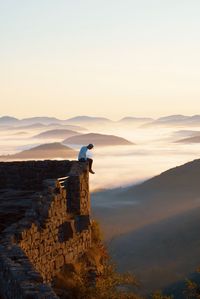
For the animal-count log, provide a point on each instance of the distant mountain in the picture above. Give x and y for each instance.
(8, 120)
(44, 151)
(97, 140)
(56, 134)
(186, 133)
(172, 118)
(195, 118)
(43, 120)
(73, 128)
(194, 139)
(32, 126)
(153, 228)
(184, 179)
(175, 120)
(135, 120)
(39, 126)
(172, 189)
(20, 133)
(89, 120)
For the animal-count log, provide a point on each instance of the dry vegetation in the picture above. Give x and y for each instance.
(192, 290)
(158, 295)
(94, 276)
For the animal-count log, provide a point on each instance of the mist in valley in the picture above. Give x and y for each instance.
(151, 228)
(153, 151)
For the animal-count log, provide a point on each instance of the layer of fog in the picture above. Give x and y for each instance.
(154, 151)
(139, 233)
(155, 236)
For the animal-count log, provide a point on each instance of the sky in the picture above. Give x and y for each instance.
(108, 58)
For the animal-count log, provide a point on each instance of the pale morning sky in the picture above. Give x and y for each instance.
(108, 57)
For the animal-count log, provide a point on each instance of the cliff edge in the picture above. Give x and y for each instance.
(44, 224)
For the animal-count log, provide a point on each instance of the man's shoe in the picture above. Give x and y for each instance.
(91, 171)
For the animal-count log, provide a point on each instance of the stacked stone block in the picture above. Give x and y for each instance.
(58, 241)
(18, 278)
(30, 175)
(78, 190)
(56, 231)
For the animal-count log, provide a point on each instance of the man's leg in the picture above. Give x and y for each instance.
(82, 160)
(90, 165)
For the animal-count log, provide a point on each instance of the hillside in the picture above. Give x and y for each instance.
(194, 139)
(40, 126)
(42, 119)
(97, 140)
(135, 120)
(185, 133)
(28, 127)
(8, 120)
(175, 120)
(32, 122)
(56, 134)
(83, 119)
(153, 228)
(180, 181)
(44, 151)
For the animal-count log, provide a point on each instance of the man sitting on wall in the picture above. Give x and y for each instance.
(83, 156)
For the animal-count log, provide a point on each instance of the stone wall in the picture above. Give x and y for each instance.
(30, 175)
(18, 278)
(54, 232)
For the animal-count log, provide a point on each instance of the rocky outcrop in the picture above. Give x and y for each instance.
(52, 227)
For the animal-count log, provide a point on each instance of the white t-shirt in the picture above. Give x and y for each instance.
(83, 153)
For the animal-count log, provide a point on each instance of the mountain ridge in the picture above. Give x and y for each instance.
(43, 151)
(56, 133)
(153, 228)
(97, 139)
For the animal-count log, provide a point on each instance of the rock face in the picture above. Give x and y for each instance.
(50, 226)
(30, 175)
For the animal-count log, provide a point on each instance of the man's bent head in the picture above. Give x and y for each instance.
(90, 146)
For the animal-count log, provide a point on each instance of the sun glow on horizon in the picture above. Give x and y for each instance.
(109, 59)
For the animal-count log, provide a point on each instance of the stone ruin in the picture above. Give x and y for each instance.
(44, 224)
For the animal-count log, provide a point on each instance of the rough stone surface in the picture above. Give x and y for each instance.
(41, 231)
(30, 175)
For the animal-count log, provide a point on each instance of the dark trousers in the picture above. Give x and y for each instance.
(90, 161)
